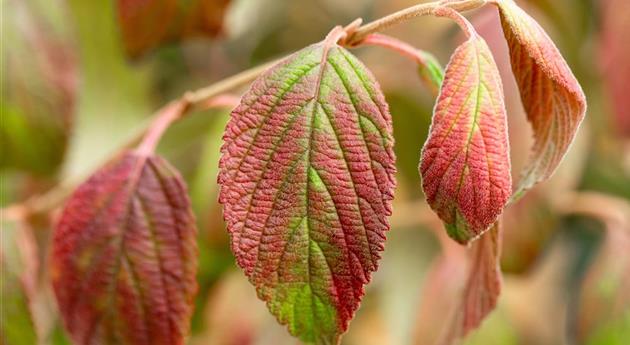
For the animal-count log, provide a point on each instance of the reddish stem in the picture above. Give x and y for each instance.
(448, 12)
(401, 47)
(166, 116)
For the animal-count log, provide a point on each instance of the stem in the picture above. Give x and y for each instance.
(463, 23)
(151, 132)
(429, 69)
(399, 46)
(166, 116)
(198, 97)
(409, 13)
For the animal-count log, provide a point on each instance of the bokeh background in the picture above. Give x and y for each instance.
(76, 85)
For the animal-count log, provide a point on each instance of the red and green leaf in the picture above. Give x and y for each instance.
(145, 24)
(552, 97)
(124, 255)
(307, 176)
(465, 164)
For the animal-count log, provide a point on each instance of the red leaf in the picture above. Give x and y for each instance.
(552, 97)
(124, 255)
(145, 24)
(615, 57)
(465, 164)
(307, 175)
(483, 286)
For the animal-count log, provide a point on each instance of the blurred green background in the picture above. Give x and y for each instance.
(73, 91)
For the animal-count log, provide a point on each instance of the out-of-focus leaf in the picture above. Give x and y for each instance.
(431, 71)
(38, 91)
(16, 324)
(307, 177)
(615, 58)
(439, 300)
(465, 164)
(604, 303)
(483, 287)
(145, 24)
(552, 97)
(124, 255)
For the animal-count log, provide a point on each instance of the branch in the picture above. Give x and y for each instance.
(355, 33)
(406, 14)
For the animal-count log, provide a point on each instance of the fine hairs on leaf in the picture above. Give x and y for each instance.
(307, 179)
(465, 163)
(552, 97)
(307, 176)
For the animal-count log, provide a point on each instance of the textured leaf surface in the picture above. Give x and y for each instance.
(552, 97)
(307, 175)
(146, 24)
(465, 164)
(124, 256)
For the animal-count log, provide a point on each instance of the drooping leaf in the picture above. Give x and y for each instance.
(483, 287)
(124, 255)
(615, 58)
(38, 94)
(145, 24)
(440, 294)
(307, 176)
(465, 164)
(552, 97)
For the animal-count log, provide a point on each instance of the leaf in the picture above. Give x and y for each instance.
(602, 309)
(307, 176)
(124, 255)
(430, 71)
(17, 325)
(39, 91)
(145, 24)
(465, 163)
(552, 97)
(614, 55)
(483, 286)
(440, 294)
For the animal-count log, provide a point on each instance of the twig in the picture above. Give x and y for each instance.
(355, 33)
(409, 13)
